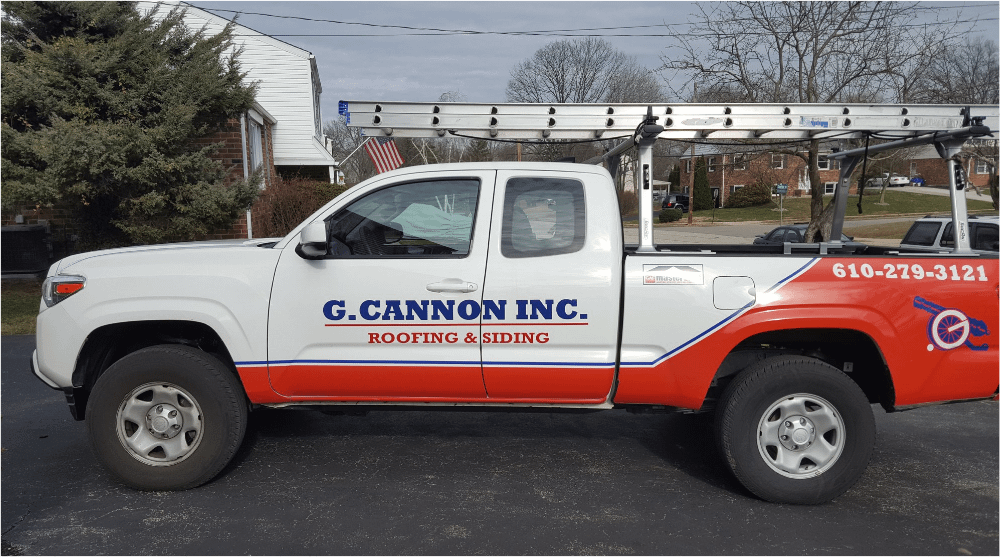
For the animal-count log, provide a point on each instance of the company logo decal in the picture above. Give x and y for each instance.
(673, 274)
(449, 313)
(950, 328)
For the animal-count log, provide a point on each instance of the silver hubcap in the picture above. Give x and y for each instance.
(159, 424)
(800, 436)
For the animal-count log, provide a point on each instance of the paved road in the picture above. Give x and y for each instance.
(493, 483)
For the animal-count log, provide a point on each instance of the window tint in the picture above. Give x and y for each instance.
(948, 236)
(543, 216)
(792, 236)
(922, 233)
(413, 219)
(985, 237)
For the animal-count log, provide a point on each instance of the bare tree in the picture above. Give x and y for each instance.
(968, 73)
(587, 70)
(344, 141)
(807, 52)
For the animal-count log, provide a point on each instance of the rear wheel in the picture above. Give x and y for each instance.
(166, 417)
(795, 430)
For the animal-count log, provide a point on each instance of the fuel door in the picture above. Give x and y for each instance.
(733, 293)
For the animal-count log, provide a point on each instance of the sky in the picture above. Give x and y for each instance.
(374, 62)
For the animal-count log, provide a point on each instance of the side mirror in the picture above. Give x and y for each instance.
(312, 241)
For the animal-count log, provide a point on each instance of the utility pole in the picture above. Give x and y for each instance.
(691, 189)
(693, 166)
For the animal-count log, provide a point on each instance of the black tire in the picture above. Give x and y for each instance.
(194, 410)
(681, 208)
(773, 406)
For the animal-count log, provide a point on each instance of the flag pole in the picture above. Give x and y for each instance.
(354, 151)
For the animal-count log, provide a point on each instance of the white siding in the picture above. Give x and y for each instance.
(285, 80)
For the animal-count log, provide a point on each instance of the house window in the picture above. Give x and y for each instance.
(734, 188)
(686, 188)
(824, 163)
(913, 168)
(711, 164)
(777, 161)
(255, 151)
(829, 188)
(740, 162)
(982, 167)
(687, 166)
(317, 115)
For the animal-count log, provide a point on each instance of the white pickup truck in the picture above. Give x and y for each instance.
(507, 285)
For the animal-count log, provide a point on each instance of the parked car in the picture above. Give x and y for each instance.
(894, 180)
(676, 201)
(795, 233)
(932, 233)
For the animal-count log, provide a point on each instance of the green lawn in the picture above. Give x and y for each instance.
(797, 208)
(887, 231)
(19, 306)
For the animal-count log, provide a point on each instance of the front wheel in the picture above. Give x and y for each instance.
(166, 417)
(795, 430)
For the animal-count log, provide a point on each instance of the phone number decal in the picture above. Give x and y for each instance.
(906, 271)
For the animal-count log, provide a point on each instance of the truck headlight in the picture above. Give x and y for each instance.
(57, 288)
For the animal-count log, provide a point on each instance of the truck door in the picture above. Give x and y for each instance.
(551, 302)
(392, 312)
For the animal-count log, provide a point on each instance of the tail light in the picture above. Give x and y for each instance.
(58, 288)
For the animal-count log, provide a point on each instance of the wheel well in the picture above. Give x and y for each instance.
(110, 343)
(850, 351)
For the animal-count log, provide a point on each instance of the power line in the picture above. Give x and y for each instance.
(583, 35)
(581, 32)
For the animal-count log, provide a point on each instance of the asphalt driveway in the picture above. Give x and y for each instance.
(489, 483)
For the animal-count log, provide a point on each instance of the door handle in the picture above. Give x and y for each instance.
(453, 285)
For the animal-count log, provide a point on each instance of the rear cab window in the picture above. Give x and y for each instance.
(542, 217)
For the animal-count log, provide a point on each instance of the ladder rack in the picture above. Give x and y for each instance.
(515, 121)
(947, 127)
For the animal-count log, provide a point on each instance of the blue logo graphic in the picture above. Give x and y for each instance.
(950, 328)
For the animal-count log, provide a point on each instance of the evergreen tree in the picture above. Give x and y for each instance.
(675, 178)
(101, 109)
(479, 151)
(702, 196)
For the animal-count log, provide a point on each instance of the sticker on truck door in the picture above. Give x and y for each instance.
(673, 274)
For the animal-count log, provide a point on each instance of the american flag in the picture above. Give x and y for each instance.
(383, 153)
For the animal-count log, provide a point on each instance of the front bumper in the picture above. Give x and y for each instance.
(75, 398)
(38, 372)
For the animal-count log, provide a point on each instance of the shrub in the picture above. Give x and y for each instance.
(670, 215)
(628, 202)
(753, 195)
(287, 202)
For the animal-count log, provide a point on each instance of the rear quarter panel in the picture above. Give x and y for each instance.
(675, 338)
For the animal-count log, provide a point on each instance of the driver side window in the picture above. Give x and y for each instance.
(415, 219)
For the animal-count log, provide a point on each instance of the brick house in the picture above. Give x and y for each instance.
(249, 138)
(731, 167)
(926, 163)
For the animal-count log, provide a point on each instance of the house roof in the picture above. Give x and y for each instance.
(288, 85)
(243, 32)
